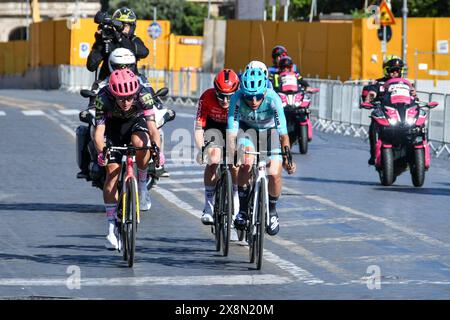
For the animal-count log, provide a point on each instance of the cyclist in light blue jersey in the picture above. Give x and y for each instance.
(258, 111)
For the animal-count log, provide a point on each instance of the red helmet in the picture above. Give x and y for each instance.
(285, 62)
(278, 51)
(123, 83)
(226, 81)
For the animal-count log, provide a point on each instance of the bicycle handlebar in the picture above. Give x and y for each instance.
(131, 150)
(286, 153)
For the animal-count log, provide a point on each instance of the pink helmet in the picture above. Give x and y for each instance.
(123, 83)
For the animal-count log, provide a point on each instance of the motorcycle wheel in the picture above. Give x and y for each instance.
(303, 139)
(418, 168)
(387, 167)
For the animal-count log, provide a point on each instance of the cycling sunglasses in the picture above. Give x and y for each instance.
(223, 97)
(395, 69)
(250, 97)
(128, 98)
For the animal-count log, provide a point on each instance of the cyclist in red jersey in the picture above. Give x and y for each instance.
(211, 121)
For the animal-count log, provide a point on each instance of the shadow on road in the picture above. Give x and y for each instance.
(427, 191)
(180, 252)
(321, 180)
(53, 207)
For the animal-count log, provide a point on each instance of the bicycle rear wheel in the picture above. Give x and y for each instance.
(226, 212)
(130, 221)
(260, 226)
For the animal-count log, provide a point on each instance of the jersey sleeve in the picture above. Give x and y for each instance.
(233, 114)
(280, 118)
(202, 113)
(101, 102)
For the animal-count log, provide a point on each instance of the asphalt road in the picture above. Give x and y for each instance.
(341, 231)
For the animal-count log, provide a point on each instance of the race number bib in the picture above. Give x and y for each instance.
(400, 93)
(289, 83)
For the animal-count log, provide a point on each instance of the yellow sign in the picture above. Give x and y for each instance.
(386, 16)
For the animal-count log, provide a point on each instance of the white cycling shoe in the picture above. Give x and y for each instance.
(145, 202)
(112, 242)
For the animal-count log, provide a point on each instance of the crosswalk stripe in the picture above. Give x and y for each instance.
(186, 173)
(227, 280)
(172, 181)
(68, 112)
(33, 112)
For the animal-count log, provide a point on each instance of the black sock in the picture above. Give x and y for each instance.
(273, 203)
(243, 198)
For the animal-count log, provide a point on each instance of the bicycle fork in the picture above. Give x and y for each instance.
(261, 178)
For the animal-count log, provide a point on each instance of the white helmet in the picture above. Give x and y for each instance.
(120, 58)
(259, 65)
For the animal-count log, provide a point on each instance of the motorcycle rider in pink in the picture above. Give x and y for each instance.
(393, 67)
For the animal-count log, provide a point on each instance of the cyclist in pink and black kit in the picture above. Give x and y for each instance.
(124, 113)
(211, 121)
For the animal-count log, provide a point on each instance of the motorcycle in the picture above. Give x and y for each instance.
(401, 133)
(296, 101)
(86, 153)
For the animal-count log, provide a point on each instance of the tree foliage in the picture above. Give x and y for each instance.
(300, 9)
(186, 18)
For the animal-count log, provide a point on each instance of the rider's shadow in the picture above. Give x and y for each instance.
(52, 207)
(191, 253)
(322, 180)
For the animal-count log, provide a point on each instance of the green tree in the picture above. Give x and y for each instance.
(185, 18)
(300, 9)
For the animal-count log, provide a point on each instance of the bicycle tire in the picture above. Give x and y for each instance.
(122, 212)
(260, 226)
(250, 238)
(226, 211)
(217, 214)
(131, 220)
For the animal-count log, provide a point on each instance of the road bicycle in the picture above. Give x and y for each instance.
(223, 203)
(258, 208)
(128, 211)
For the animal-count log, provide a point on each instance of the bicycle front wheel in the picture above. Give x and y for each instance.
(226, 211)
(130, 221)
(260, 226)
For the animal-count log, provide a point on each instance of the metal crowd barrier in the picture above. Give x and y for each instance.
(334, 109)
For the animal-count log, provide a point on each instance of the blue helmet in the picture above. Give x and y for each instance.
(253, 82)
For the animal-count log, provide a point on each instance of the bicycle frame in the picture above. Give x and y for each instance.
(127, 169)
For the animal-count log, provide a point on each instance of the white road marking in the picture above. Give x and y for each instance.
(186, 173)
(33, 112)
(185, 115)
(386, 222)
(308, 255)
(299, 273)
(173, 181)
(313, 222)
(300, 209)
(2, 113)
(399, 258)
(182, 160)
(68, 112)
(358, 238)
(67, 129)
(186, 189)
(230, 280)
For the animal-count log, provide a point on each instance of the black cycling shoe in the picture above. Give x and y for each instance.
(274, 224)
(241, 221)
(371, 161)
